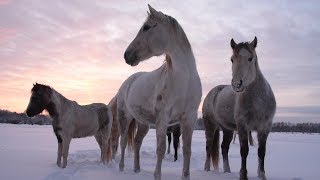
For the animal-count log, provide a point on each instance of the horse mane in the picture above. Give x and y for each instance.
(168, 61)
(179, 32)
(167, 64)
(241, 45)
(37, 86)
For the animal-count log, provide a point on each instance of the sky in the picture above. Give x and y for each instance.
(77, 47)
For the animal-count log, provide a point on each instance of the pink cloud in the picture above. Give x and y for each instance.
(77, 46)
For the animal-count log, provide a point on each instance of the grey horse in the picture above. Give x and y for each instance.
(247, 104)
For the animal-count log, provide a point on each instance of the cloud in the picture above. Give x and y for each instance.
(77, 46)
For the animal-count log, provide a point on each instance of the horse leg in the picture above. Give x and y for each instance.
(187, 130)
(124, 127)
(105, 145)
(115, 142)
(169, 142)
(176, 136)
(227, 138)
(99, 141)
(59, 154)
(59, 139)
(123, 143)
(262, 138)
(65, 151)
(141, 133)
(161, 129)
(244, 150)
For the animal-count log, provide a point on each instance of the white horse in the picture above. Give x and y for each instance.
(70, 120)
(168, 95)
(245, 105)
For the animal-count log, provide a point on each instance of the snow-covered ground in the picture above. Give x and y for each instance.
(29, 152)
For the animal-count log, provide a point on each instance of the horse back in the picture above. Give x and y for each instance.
(136, 96)
(224, 108)
(104, 114)
(87, 120)
(218, 106)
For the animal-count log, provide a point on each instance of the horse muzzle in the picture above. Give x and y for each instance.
(237, 85)
(131, 58)
(30, 113)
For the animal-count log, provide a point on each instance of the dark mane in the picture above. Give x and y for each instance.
(37, 87)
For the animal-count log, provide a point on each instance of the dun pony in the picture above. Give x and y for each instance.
(71, 120)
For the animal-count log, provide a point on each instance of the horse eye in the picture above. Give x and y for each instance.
(250, 59)
(146, 28)
(231, 60)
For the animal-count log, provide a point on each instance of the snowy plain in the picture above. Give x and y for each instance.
(29, 152)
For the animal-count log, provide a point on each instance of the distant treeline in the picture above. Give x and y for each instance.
(299, 127)
(22, 118)
(283, 127)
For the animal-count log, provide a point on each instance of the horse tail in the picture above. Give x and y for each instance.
(105, 120)
(109, 151)
(109, 148)
(212, 126)
(115, 129)
(131, 134)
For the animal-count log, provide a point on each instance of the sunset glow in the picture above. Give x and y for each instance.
(77, 46)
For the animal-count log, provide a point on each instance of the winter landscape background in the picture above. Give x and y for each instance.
(29, 152)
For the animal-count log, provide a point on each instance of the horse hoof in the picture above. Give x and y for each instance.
(137, 170)
(185, 177)
(157, 177)
(121, 168)
(262, 175)
(207, 168)
(243, 175)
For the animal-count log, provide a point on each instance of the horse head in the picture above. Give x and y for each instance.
(39, 100)
(152, 39)
(244, 60)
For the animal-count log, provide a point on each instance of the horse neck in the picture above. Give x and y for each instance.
(180, 50)
(259, 80)
(57, 104)
(182, 58)
(259, 76)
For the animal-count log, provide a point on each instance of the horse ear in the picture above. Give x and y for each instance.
(153, 11)
(233, 44)
(254, 42)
